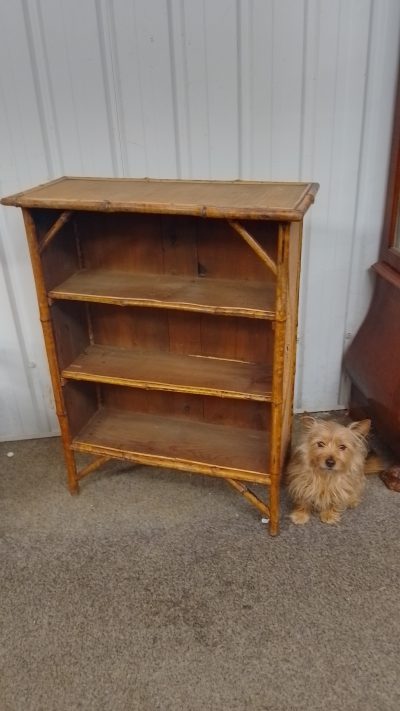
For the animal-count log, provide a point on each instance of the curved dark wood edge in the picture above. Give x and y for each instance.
(387, 252)
(386, 272)
(372, 360)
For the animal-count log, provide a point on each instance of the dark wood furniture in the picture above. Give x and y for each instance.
(169, 311)
(373, 358)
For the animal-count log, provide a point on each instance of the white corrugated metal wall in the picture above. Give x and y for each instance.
(256, 89)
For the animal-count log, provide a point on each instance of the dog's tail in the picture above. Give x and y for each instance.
(374, 464)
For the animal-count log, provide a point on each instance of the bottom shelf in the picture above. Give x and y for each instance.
(189, 445)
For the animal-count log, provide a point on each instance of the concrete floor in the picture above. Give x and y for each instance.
(155, 590)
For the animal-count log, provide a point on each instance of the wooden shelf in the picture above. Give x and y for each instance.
(252, 299)
(174, 372)
(188, 445)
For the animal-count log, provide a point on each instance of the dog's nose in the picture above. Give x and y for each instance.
(330, 462)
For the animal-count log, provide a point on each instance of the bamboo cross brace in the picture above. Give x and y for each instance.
(56, 227)
(260, 252)
(249, 495)
(95, 464)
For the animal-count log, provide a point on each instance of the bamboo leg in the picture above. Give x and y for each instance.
(274, 501)
(295, 317)
(277, 377)
(69, 457)
(45, 319)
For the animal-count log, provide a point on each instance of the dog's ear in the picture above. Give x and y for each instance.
(307, 422)
(362, 427)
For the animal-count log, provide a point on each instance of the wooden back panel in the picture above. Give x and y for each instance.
(77, 324)
(70, 328)
(181, 332)
(156, 244)
(244, 413)
(60, 259)
(81, 402)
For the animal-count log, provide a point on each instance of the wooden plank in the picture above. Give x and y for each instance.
(237, 199)
(121, 242)
(132, 328)
(172, 372)
(188, 445)
(70, 330)
(180, 257)
(80, 404)
(219, 296)
(248, 414)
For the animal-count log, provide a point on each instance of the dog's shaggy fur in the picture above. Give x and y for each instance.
(327, 470)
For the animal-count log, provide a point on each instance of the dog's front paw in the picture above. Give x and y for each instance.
(330, 516)
(300, 516)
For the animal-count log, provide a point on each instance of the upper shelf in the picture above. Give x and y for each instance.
(174, 372)
(238, 199)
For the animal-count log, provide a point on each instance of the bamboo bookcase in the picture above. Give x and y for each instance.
(169, 313)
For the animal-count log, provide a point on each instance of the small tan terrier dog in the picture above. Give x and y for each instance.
(327, 470)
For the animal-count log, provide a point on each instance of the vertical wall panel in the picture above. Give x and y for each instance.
(373, 165)
(70, 35)
(252, 89)
(144, 61)
(194, 91)
(27, 406)
(287, 61)
(340, 84)
(221, 59)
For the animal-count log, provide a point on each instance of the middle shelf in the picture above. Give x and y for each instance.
(230, 297)
(168, 371)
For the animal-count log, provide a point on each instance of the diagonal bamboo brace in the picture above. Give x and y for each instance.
(95, 464)
(250, 496)
(260, 252)
(56, 227)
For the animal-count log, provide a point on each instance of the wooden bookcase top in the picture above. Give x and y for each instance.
(239, 199)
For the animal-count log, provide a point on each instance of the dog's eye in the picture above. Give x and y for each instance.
(342, 447)
(320, 444)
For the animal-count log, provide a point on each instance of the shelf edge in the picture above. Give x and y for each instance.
(168, 463)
